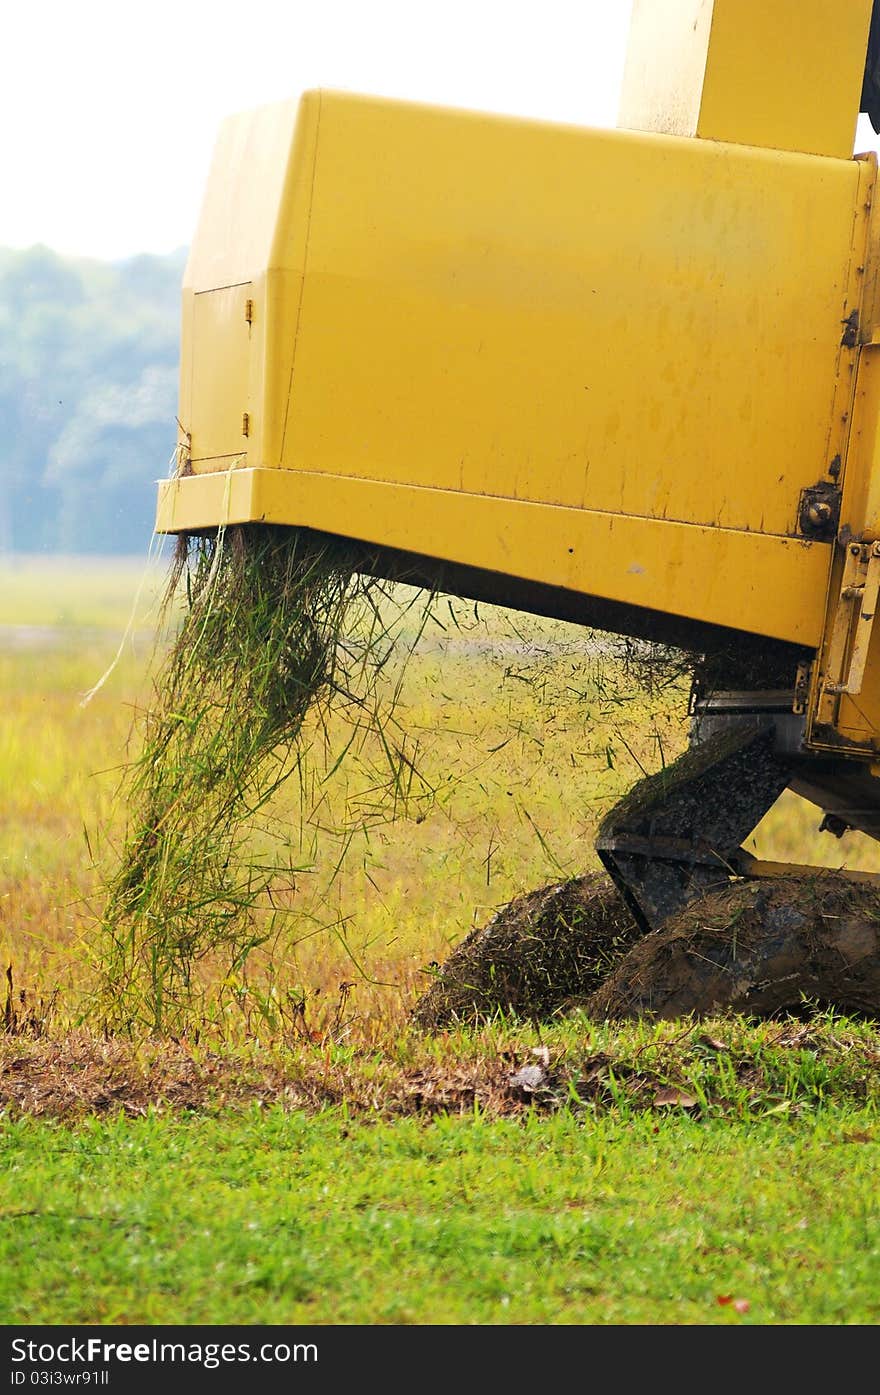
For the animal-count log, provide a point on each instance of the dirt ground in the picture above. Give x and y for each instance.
(778, 949)
(758, 948)
(81, 1075)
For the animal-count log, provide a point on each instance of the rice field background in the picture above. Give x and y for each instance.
(522, 732)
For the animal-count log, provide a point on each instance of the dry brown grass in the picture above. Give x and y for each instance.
(721, 1065)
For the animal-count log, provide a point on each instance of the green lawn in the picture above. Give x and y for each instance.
(287, 1219)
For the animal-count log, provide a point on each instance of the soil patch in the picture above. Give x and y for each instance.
(535, 954)
(792, 945)
(758, 948)
(83, 1076)
(500, 1074)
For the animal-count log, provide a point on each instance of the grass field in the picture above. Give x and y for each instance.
(522, 733)
(300, 1104)
(290, 1220)
(521, 741)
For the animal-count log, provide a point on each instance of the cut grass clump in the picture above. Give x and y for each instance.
(277, 625)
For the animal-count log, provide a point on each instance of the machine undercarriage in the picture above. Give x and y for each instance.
(678, 834)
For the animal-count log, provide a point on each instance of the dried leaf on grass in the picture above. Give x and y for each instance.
(679, 1099)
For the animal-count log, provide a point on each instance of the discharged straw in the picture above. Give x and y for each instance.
(277, 624)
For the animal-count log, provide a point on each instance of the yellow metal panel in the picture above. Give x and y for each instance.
(786, 74)
(705, 574)
(665, 66)
(857, 719)
(860, 511)
(262, 166)
(600, 360)
(853, 719)
(184, 407)
(250, 170)
(628, 323)
(779, 73)
(219, 393)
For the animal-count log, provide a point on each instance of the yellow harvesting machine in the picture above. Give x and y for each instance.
(629, 378)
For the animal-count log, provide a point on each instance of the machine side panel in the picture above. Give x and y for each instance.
(711, 575)
(849, 721)
(626, 323)
(559, 354)
(786, 74)
(219, 420)
(245, 188)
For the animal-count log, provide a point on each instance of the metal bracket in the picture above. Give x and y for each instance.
(851, 628)
(801, 689)
(850, 336)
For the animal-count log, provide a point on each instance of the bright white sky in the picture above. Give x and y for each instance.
(109, 110)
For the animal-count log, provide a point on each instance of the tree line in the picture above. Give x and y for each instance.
(89, 357)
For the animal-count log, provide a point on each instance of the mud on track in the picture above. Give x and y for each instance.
(757, 948)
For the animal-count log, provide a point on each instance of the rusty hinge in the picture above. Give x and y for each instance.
(851, 627)
(249, 311)
(245, 423)
(850, 335)
(819, 510)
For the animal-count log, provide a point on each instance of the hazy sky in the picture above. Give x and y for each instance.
(109, 110)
